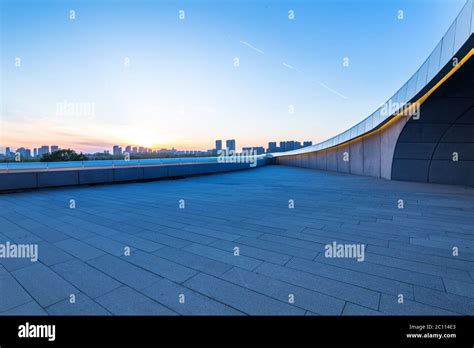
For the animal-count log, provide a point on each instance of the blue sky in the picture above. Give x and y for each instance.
(181, 87)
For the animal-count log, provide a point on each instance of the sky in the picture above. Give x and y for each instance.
(184, 73)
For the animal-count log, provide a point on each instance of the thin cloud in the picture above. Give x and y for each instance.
(252, 47)
(332, 90)
(290, 67)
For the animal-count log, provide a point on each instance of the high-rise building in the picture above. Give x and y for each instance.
(272, 147)
(258, 150)
(54, 148)
(230, 145)
(117, 150)
(24, 153)
(7, 152)
(43, 150)
(282, 146)
(307, 143)
(35, 152)
(218, 145)
(134, 150)
(128, 149)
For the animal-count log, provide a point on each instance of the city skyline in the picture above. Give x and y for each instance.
(117, 150)
(184, 82)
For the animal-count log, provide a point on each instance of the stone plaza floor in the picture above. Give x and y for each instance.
(182, 237)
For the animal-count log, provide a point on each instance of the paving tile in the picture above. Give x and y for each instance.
(240, 298)
(211, 233)
(388, 272)
(137, 242)
(27, 309)
(108, 245)
(186, 235)
(223, 256)
(347, 292)
(441, 299)
(353, 309)
(124, 272)
(82, 305)
(389, 305)
(126, 301)
(256, 253)
(168, 293)
(49, 254)
(278, 247)
(457, 287)
(164, 239)
(165, 268)
(45, 286)
(359, 278)
(303, 298)
(193, 261)
(79, 249)
(12, 294)
(86, 278)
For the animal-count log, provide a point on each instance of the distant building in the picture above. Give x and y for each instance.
(140, 149)
(230, 145)
(134, 149)
(24, 153)
(117, 150)
(43, 150)
(35, 152)
(258, 150)
(54, 148)
(128, 149)
(218, 145)
(272, 147)
(7, 152)
(307, 143)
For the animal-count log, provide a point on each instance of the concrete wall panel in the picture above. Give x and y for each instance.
(356, 160)
(96, 176)
(331, 160)
(453, 173)
(343, 166)
(18, 181)
(58, 178)
(155, 172)
(372, 155)
(411, 170)
(128, 174)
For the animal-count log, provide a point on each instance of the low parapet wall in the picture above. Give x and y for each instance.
(88, 176)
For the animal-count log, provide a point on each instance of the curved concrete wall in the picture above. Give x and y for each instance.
(369, 155)
(427, 148)
(414, 150)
